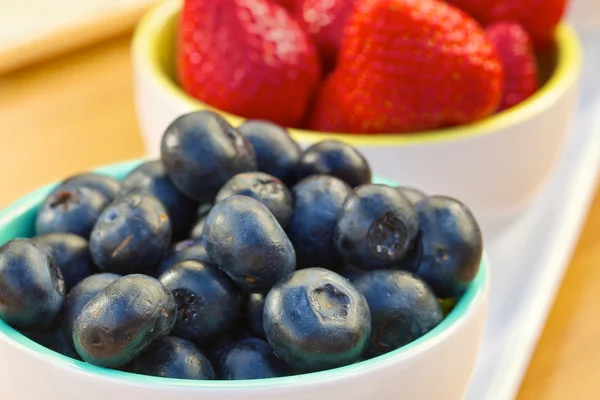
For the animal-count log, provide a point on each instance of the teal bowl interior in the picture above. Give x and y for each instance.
(18, 220)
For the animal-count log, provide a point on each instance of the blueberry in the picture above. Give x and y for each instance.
(276, 152)
(250, 359)
(331, 157)
(53, 338)
(265, 188)
(351, 273)
(71, 253)
(201, 152)
(414, 195)
(315, 320)
(254, 310)
(79, 296)
(203, 210)
(215, 348)
(243, 330)
(32, 289)
(318, 200)
(152, 178)
(202, 213)
(198, 228)
(451, 245)
(207, 300)
(376, 227)
(70, 210)
(109, 187)
(403, 308)
(411, 260)
(191, 249)
(173, 357)
(131, 235)
(245, 240)
(123, 319)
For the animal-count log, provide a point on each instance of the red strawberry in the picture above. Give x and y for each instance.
(293, 6)
(412, 65)
(247, 57)
(520, 69)
(325, 22)
(538, 17)
(327, 114)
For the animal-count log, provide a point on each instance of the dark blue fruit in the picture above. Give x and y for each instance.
(120, 322)
(79, 296)
(203, 210)
(403, 308)
(173, 357)
(245, 240)
(132, 235)
(414, 195)
(276, 152)
(250, 359)
(331, 157)
(53, 338)
(450, 245)
(201, 214)
(152, 178)
(315, 320)
(191, 249)
(32, 290)
(376, 227)
(351, 273)
(198, 228)
(254, 310)
(70, 210)
(411, 260)
(217, 346)
(265, 188)
(207, 301)
(242, 330)
(201, 152)
(318, 200)
(71, 253)
(106, 185)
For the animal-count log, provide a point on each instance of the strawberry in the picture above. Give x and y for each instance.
(247, 57)
(538, 17)
(292, 6)
(412, 65)
(326, 114)
(325, 22)
(520, 69)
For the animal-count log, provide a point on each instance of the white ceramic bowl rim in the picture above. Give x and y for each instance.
(465, 306)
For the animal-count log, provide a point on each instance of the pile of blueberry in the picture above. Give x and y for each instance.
(236, 256)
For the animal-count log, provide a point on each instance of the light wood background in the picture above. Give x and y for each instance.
(35, 30)
(76, 112)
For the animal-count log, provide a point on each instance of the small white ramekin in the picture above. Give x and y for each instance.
(496, 166)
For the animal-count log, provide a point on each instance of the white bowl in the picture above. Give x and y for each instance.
(438, 365)
(496, 166)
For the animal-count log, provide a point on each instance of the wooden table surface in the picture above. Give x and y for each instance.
(76, 112)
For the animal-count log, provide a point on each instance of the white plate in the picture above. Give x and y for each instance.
(529, 258)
